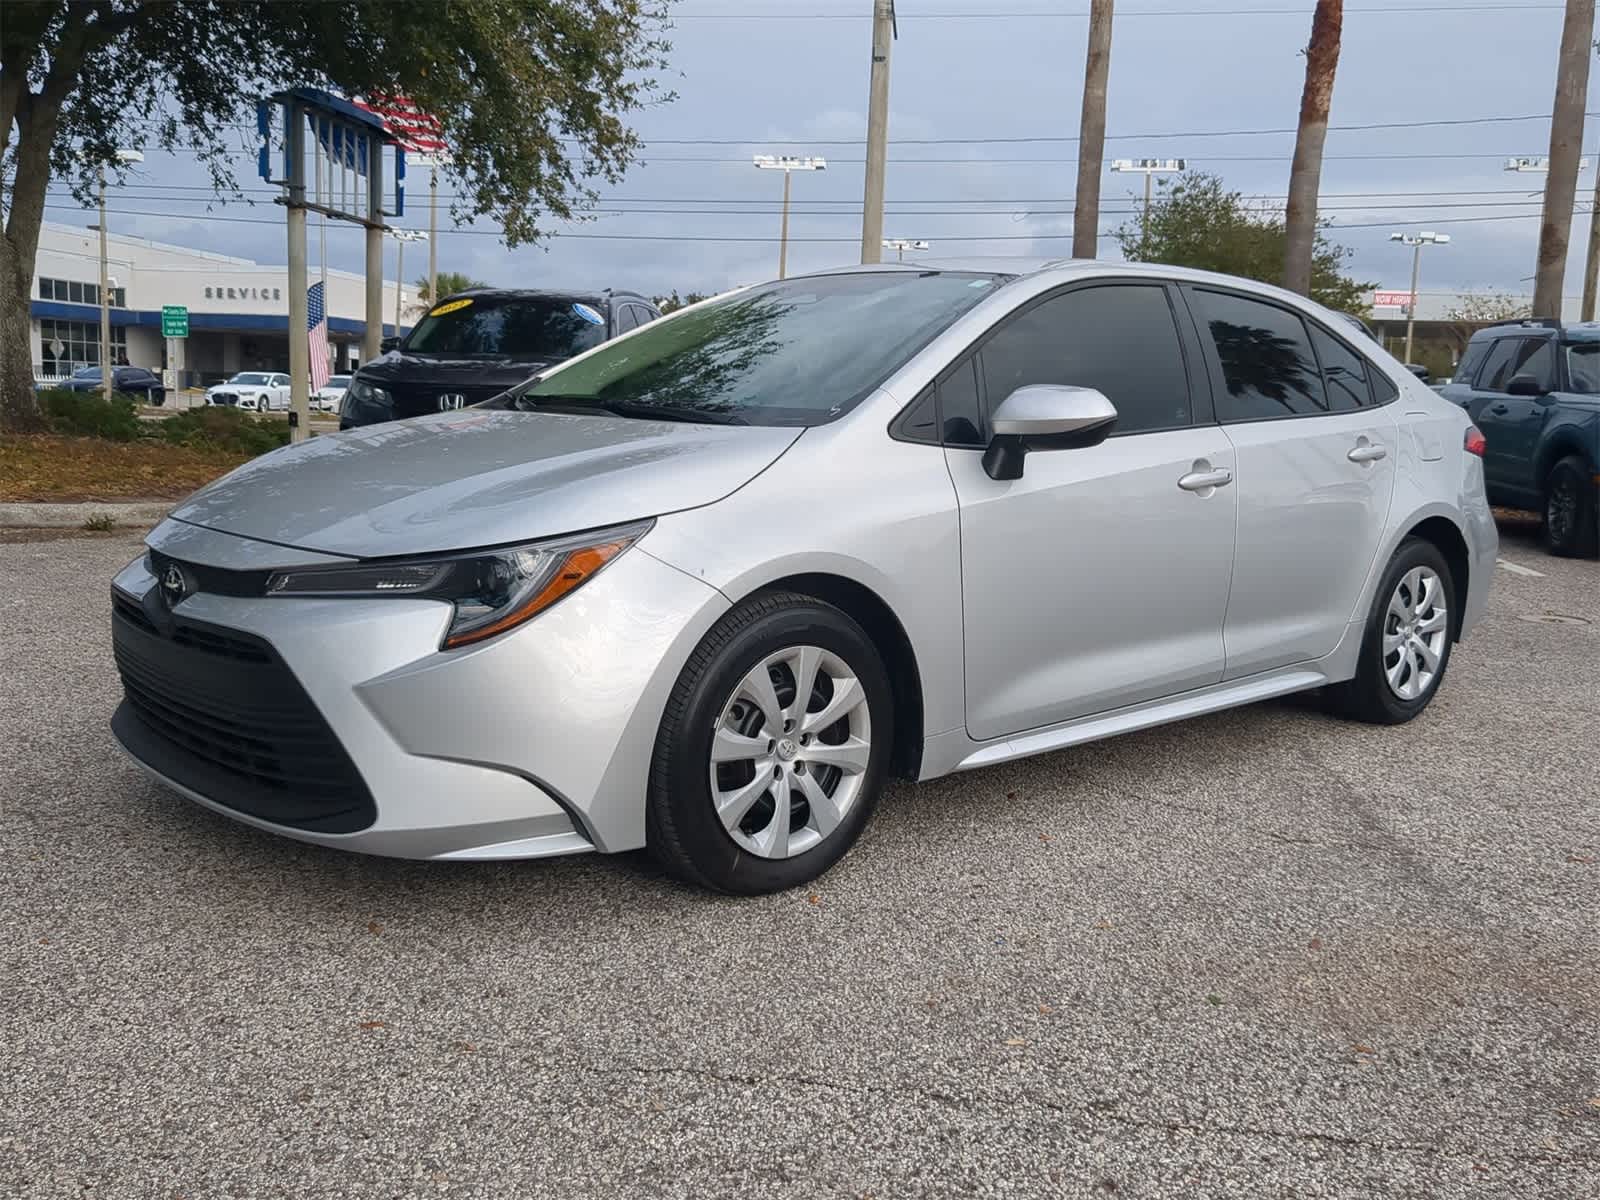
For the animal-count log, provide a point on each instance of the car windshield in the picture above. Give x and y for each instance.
(795, 352)
(248, 377)
(338, 381)
(543, 328)
(1583, 367)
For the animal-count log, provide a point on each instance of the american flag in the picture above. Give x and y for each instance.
(317, 335)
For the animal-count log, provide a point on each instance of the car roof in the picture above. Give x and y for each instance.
(1068, 267)
(561, 295)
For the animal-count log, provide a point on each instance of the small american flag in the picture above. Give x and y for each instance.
(317, 335)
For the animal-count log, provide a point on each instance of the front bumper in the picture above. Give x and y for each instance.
(534, 743)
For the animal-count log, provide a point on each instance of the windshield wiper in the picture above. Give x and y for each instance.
(622, 408)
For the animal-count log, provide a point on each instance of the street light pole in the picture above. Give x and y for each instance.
(401, 237)
(787, 164)
(1148, 167)
(1416, 241)
(106, 372)
(901, 245)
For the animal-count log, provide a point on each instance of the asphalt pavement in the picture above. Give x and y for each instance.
(1261, 954)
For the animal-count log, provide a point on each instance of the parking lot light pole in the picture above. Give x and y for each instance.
(901, 245)
(1148, 167)
(106, 373)
(788, 164)
(1417, 241)
(402, 236)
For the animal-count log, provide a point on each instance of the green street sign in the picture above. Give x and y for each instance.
(174, 321)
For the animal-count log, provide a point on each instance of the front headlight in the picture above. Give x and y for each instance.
(492, 590)
(362, 399)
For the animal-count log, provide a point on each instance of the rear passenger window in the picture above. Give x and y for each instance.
(1267, 366)
(1119, 339)
(1344, 372)
(625, 320)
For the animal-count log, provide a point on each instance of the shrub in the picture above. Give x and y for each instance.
(223, 428)
(99, 522)
(90, 414)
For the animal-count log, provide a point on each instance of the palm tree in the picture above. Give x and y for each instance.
(1305, 175)
(450, 282)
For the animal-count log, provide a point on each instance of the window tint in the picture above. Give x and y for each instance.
(1384, 389)
(626, 318)
(959, 410)
(1267, 365)
(1514, 356)
(1470, 361)
(531, 327)
(1538, 360)
(920, 422)
(1344, 372)
(1119, 339)
(641, 314)
(1583, 368)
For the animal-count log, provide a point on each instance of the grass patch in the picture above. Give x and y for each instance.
(48, 467)
(100, 523)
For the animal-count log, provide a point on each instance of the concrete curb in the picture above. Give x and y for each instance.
(141, 514)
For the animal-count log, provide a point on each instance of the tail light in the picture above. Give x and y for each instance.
(1474, 443)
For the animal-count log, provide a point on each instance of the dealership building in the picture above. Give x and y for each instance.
(238, 308)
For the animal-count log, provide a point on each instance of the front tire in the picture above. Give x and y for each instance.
(1409, 633)
(1570, 522)
(773, 749)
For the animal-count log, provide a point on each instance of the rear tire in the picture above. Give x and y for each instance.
(754, 789)
(1570, 522)
(1405, 650)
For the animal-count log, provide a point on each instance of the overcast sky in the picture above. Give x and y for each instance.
(781, 76)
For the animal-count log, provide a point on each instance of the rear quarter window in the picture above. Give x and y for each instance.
(1471, 360)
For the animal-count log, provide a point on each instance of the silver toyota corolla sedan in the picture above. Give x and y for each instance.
(708, 586)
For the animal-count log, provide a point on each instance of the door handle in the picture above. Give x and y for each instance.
(1499, 410)
(1367, 453)
(1199, 481)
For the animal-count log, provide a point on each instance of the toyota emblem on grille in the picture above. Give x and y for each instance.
(174, 587)
(450, 401)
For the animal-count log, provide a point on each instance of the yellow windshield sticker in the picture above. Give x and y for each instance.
(449, 306)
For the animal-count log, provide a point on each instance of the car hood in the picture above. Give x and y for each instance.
(459, 480)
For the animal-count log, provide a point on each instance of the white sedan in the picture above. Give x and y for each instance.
(328, 397)
(256, 390)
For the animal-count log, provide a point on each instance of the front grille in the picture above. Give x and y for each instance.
(224, 398)
(218, 711)
(415, 400)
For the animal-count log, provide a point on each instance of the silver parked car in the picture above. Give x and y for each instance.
(705, 587)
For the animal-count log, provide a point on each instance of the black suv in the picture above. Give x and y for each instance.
(1533, 388)
(476, 344)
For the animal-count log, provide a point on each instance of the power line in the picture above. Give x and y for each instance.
(1073, 14)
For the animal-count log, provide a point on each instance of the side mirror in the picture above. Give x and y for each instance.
(1526, 385)
(388, 344)
(1045, 416)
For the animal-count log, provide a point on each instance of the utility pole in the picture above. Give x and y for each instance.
(373, 336)
(1092, 131)
(1566, 143)
(433, 229)
(788, 164)
(1148, 167)
(299, 303)
(883, 36)
(1591, 257)
(1416, 241)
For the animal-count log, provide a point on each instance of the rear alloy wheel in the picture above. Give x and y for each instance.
(773, 748)
(1406, 647)
(1569, 509)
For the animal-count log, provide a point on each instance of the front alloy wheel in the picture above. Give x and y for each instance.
(1405, 648)
(790, 752)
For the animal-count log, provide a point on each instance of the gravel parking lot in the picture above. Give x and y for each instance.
(1261, 954)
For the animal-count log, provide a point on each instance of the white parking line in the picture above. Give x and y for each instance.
(1519, 569)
